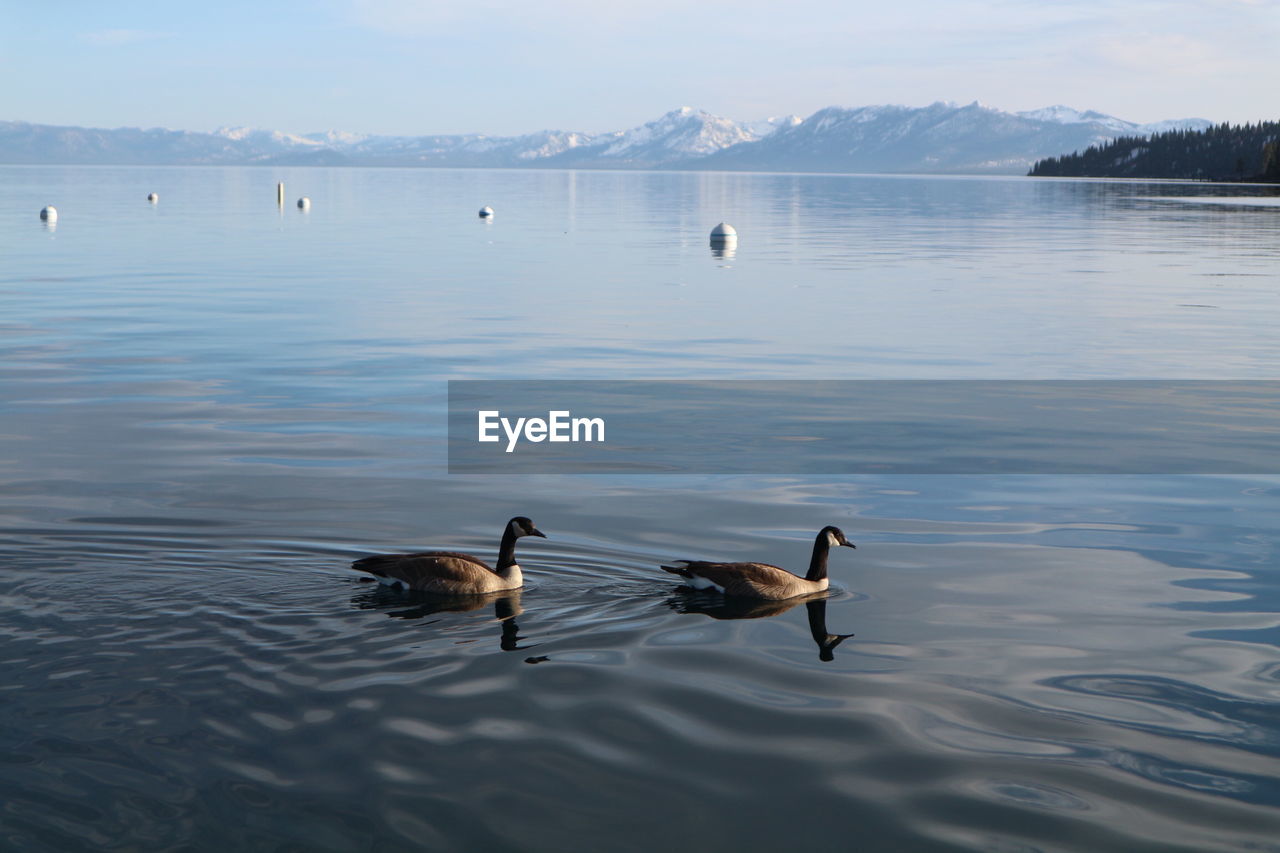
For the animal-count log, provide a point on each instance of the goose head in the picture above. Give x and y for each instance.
(835, 537)
(521, 526)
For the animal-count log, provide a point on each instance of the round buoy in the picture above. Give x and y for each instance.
(723, 233)
(486, 212)
(153, 197)
(49, 214)
(304, 203)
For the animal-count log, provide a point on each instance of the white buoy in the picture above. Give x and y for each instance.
(723, 233)
(486, 212)
(280, 195)
(153, 197)
(304, 203)
(49, 214)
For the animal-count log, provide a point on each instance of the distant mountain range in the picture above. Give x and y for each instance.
(939, 138)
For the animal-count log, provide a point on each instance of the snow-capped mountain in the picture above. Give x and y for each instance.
(942, 137)
(270, 138)
(461, 150)
(678, 135)
(1067, 115)
(765, 126)
(1172, 124)
(335, 138)
(22, 142)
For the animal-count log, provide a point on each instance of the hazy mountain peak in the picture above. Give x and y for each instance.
(684, 132)
(277, 137)
(1062, 114)
(941, 137)
(1174, 124)
(765, 126)
(336, 137)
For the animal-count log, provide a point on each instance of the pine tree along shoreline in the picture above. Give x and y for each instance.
(1225, 152)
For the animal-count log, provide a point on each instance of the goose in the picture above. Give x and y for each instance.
(451, 573)
(761, 580)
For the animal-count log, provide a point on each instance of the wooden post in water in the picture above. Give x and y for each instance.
(280, 195)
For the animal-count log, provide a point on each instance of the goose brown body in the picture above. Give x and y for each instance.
(452, 573)
(762, 580)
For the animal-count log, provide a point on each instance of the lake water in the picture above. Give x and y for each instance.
(210, 406)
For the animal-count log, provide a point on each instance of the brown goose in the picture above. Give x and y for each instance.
(761, 580)
(449, 573)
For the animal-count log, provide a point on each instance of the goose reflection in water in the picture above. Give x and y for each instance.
(506, 607)
(724, 607)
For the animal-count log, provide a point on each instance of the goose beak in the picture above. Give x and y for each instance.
(849, 544)
(536, 532)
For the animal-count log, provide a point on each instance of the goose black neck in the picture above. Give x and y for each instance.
(507, 550)
(818, 562)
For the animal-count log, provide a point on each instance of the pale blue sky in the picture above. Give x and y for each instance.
(412, 67)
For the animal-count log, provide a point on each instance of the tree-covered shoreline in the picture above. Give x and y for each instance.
(1224, 152)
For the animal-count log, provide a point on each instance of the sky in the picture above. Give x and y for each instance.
(413, 67)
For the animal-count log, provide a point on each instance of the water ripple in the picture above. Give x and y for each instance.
(198, 441)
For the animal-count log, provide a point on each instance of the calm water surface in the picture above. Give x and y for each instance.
(211, 406)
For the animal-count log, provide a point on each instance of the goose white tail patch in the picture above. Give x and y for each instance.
(698, 582)
(394, 583)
